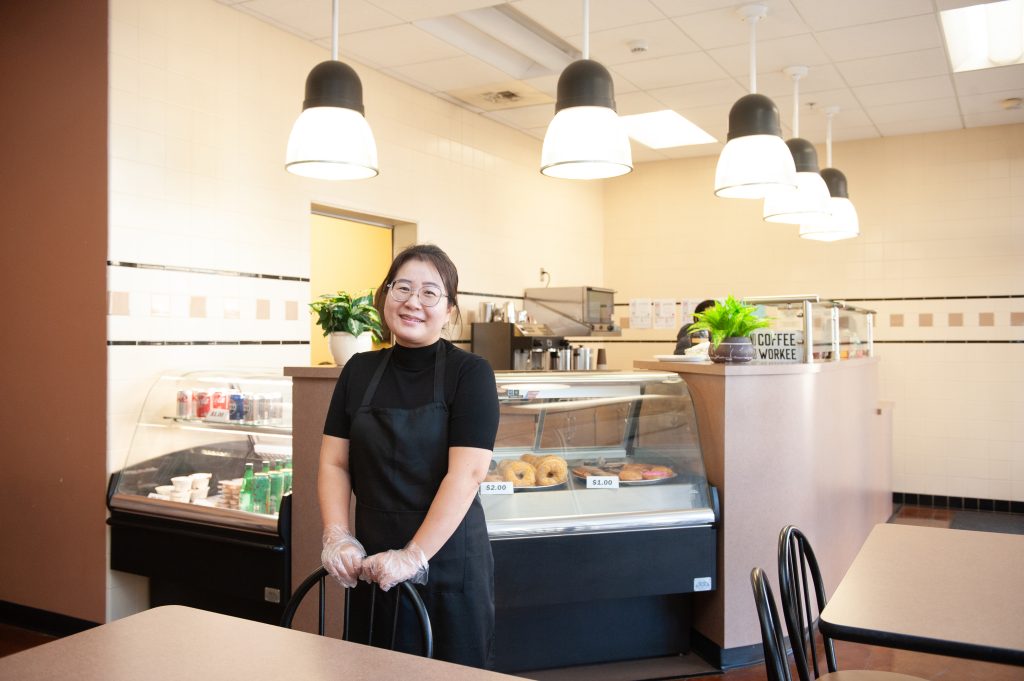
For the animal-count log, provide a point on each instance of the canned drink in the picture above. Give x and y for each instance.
(261, 493)
(184, 404)
(262, 411)
(236, 408)
(248, 408)
(201, 404)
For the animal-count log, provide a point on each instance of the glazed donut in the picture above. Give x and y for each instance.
(552, 470)
(530, 458)
(519, 473)
(630, 474)
(657, 472)
(494, 477)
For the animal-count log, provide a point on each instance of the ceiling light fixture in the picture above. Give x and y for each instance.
(755, 160)
(585, 140)
(842, 223)
(810, 201)
(331, 139)
(985, 36)
(664, 129)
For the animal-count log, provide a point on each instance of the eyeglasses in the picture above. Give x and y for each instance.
(428, 294)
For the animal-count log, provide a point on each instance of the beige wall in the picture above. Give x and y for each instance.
(942, 216)
(53, 55)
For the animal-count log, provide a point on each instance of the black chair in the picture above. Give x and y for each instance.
(404, 592)
(775, 660)
(798, 575)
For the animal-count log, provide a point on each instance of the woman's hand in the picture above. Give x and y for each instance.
(342, 555)
(389, 568)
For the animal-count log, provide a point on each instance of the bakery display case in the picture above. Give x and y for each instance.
(598, 478)
(202, 503)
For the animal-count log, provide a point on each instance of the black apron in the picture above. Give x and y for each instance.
(397, 459)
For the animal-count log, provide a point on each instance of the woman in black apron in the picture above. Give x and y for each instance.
(410, 431)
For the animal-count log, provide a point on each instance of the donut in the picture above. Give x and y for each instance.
(630, 474)
(494, 477)
(551, 470)
(530, 458)
(587, 471)
(657, 472)
(519, 473)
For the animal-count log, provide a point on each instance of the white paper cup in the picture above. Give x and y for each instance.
(180, 496)
(199, 493)
(182, 483)
(163, 490)
(200, 480)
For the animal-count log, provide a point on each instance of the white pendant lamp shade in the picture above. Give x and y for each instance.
(332, 143)
(585, 140)
(331, 139)
(842, 221)
(586, 143)
(810, 201)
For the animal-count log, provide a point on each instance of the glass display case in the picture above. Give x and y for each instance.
(835, 329)
(202, 504)
(589, 452)
(212, 447)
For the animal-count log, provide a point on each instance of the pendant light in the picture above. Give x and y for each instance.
(331, 139)
(842, 223)
(585, 140)
(810, 201)
(755, 160)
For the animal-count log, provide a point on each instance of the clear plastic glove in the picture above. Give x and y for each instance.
(389, 568)
(342, 555)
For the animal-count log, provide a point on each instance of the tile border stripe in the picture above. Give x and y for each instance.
(204, 270)
(207, 342)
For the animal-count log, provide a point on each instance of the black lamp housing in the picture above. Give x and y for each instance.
(805, 156)
(585, 83)
(334, 83)
(836, 183)
(754, 114)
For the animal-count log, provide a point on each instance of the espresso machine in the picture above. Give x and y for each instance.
(520, 346)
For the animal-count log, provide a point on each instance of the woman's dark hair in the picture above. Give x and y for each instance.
(703, 305)
(428, 253)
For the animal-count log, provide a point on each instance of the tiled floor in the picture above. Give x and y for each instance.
(849, 655)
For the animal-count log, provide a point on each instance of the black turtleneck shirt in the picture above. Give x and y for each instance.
(408, 382)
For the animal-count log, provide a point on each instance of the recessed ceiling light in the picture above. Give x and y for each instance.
(664, 129)
(985, 36)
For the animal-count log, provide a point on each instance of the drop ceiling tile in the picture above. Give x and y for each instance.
(678, 8)
(820, 78)
(525, 117)
(396, 46)
(822, 15)
(909, 111)
(453, 73)
(772, 55)
(566, 18)
(711, 119)
(921, 89)
(886, 37)
(894, 67)
(721, 93)
(846, 134)
(663, 38)
(922, 125)
(989, 102)
(312, 20)
(814, 126)
(536, 132)
(546, 84)
(414, 10)
(637, 102)
(678, 69)
(696, 151)
(642, 154)
(723, 27)
(985, 119)
(990, 80)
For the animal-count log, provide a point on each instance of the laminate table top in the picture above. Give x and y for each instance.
(177, 643)
(934, 590)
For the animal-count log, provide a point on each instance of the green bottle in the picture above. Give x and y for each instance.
(245, 495)
(287, 476)
(266, 466)
(274, 500)
(260, 493)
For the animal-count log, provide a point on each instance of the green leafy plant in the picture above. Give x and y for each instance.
(341, 312)
(728, 318)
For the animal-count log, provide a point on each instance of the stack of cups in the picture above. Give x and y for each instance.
(182, 489)
(229, 490)
(200, 485)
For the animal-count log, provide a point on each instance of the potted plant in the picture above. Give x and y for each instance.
(730, 324)
(351, 324)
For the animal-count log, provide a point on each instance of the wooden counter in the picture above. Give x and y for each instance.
(802, 444)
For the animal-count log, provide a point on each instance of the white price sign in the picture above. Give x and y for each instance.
(503, 487)
(602, 482)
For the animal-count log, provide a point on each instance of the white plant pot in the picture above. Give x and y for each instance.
(343, 345)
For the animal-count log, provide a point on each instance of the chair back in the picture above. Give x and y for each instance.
(798, 574)
(776, 662)
(405, 592)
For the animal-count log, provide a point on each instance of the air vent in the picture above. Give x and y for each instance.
(497, 96)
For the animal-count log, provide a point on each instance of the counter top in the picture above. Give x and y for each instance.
(751, 369)
(313, 372)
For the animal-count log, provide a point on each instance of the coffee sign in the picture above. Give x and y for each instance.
(777, 347)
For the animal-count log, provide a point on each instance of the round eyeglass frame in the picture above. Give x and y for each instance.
(394, 295)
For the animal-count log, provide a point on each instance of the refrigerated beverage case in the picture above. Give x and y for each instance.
(236, 409)
(184, 404)
(266, 466)
(201, 404)
(261, 493)
(245, 496)
(287, 476)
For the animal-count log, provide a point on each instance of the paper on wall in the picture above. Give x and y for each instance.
(664, 313)
(640, 313)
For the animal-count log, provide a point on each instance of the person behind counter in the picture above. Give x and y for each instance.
(410, 431)
(683, 338)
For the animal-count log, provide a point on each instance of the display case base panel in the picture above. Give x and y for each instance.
(235, 573)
